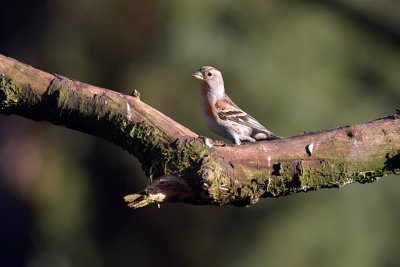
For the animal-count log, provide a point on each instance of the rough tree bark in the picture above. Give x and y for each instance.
(184, 167)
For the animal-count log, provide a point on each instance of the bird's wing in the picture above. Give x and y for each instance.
(227, 110)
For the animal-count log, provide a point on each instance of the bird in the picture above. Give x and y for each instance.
(222, 116)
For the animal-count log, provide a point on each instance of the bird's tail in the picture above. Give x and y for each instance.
(273, 137)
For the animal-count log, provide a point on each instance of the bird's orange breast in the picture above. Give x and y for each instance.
(208, 108)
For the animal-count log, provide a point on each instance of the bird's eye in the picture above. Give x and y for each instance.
(209, 74)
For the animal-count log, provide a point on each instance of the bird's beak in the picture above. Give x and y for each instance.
(198, 75)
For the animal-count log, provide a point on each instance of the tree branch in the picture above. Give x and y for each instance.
(184, 167)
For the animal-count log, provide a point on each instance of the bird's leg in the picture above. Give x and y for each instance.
(237, 140)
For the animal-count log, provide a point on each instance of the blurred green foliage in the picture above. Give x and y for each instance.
(294, 65)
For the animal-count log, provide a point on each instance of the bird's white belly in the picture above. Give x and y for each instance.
(219, 128)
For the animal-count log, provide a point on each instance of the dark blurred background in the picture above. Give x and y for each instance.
(294, 65)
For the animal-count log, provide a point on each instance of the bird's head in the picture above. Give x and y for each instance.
(211, 80)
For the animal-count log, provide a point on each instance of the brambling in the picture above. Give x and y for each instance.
(222, 115)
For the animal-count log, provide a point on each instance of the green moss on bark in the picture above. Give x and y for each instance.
(182, 155)
(289, 177)
(308, 175)
(284, 181)
(216, 187)
(13, 94)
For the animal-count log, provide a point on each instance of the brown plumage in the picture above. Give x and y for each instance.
(222, 115)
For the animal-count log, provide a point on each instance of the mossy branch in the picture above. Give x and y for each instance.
(184, 167)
